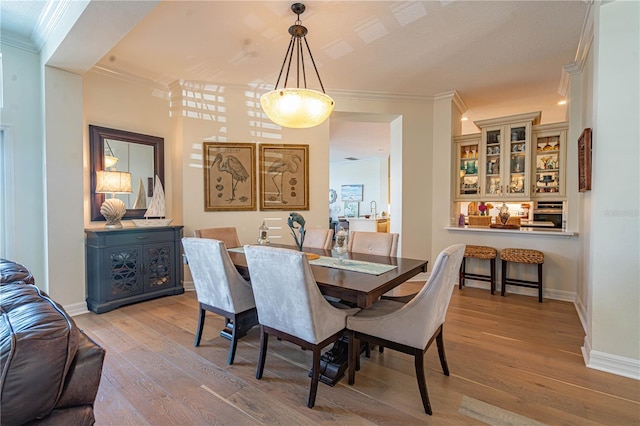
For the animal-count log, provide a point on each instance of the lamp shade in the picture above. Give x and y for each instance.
(297, 107)
(113, 182)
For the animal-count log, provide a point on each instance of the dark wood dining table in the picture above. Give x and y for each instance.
(354, 288)
(357, 288)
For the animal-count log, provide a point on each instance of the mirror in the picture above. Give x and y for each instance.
(141, 155)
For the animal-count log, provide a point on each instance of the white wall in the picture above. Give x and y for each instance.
(231, 114)
(109, 101)
(615, 206)
(22, 112)
(63, 186)
(373, 173)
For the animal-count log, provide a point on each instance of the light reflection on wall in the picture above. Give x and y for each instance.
(215, 103)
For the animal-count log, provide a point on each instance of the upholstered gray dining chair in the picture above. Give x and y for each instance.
(318, 238)
(377, 243)
(410, 328)
(291, 307)
(220, 288)
(227, 234)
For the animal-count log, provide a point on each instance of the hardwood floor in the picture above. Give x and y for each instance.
(512, 360)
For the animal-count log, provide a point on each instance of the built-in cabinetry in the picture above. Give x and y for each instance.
(466, 168)
(132, 264)
(549, 161)
(513, 158)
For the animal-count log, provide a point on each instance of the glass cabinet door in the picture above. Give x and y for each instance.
(518, 146)
(467, 154)
(493, 152)
(548, 162)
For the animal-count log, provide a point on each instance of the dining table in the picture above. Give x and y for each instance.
(356, 279)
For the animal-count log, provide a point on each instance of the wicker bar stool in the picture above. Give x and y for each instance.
(517, 255)
(483, 253)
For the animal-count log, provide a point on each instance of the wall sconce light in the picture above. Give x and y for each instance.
(112, 182)
(297, 107)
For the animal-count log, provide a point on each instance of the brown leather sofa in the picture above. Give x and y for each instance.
(50, 368)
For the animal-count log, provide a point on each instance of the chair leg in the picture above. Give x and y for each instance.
(441, 354)
(493, 274)
(200, 326)
(504, 277)
(315, 376)
(422, 383)
(540, 282)
(234, 343)
(264, 341)
(462, 272)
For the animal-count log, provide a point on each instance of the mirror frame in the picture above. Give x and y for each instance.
(97, 135)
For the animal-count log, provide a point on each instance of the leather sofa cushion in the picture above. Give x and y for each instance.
(14, 272)
(38, 343)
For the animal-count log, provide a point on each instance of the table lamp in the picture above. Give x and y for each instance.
(113, 182)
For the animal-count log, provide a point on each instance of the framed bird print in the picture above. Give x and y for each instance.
(229, 176)
(284, 177)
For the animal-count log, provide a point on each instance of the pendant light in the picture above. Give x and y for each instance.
(297, 107)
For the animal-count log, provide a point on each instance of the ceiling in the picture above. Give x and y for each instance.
(508, 54)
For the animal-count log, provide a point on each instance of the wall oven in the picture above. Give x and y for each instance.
(548, 211)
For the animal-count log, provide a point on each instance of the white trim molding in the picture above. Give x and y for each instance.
(609, 363)
(584, 46)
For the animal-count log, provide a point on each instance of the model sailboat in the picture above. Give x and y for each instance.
(154, 216)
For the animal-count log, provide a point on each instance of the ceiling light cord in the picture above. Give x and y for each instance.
(299, 106)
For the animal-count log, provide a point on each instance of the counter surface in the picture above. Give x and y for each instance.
(553, 232)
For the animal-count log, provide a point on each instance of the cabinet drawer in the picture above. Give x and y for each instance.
(117, 238)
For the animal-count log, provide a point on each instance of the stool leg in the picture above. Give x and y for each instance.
(493, 275)
(462, 272)
(540, 282)
(504, 277)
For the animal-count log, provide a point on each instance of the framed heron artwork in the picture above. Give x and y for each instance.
(229, 176)
(284, 177)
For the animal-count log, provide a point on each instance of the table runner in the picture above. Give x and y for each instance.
(362, 266)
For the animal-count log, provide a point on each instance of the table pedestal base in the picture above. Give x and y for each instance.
(334, 362)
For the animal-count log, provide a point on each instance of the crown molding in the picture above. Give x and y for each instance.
(49, 19)
(17, 41)
(584, 47)
(159, 89)
(380, 96)
(454, 97)
(259, 88)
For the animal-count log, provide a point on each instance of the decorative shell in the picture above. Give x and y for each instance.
(113, 209)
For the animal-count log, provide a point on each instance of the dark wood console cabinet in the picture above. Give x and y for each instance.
(132, 264)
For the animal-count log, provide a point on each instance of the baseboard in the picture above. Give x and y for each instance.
(188, 286)
(565, 296)
(614, 364)
(582, 313)
(76, 309)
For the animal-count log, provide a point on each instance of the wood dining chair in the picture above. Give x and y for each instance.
(318, 238)
(291, 307)
(228, 235)
(411, 327)
(220, 288)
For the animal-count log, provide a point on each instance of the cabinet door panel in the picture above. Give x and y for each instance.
(548, 177)
(466, 167)
(158, 261)
(123, 272)
(519, 141)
